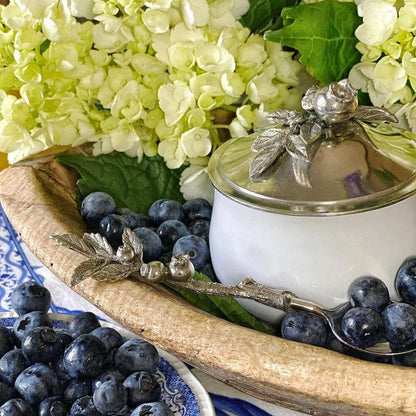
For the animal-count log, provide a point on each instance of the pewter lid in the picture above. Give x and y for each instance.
(324, 163)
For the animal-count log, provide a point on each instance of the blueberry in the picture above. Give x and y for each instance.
(111, 340)
(136, 355)
(110, 397)
(29, 297)
(84, 357)
(200, 227)
(166, 209)
(304, 327)
(363, 327)
(197, 208)
(155, 207)
(6, 393)
(334, 344)
(406, 281)
(11, 365)
(400, 323)
(369, 292)
(30, 321)
(36, 383)
(152, 409)
(107, 375)
(76, 389)
(96, 206)
(41, 345)
(52, 406)
(61, 372)
(142, 387)
(407, 360)
(112, 227)
(83, 323)
(64, 336)
(165, 257)
(134, 219)
(84, 406)
(170, 231)
(124, 412)
(196, 247)
(6, 340)
(152, 245)
(16, 407)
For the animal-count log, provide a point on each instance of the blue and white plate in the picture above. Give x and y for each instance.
(181, 390)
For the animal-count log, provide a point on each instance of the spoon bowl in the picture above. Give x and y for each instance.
(333, 318)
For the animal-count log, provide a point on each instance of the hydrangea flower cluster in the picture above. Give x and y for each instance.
(136, 76)
(387, 71)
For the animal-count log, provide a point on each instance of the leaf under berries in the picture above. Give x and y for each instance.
(222, 306)
(131, 184)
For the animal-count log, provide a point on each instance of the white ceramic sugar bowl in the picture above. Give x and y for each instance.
(311, 224)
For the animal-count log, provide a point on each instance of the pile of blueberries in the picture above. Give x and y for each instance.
(368, 318)
(168, 228)
(85, 370)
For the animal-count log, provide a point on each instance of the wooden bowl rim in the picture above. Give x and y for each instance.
(39, 201)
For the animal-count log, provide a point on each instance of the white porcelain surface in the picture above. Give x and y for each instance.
(315, 257)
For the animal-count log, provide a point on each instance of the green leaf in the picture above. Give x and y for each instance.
(262, 13)
(203, 302)
(363, 98)
(133, 185)
(44, 46)
(323, 33)
(227, 307)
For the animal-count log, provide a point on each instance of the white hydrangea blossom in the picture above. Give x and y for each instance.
(195, 182)
(196, 142)
(174, 100)
(147, 77)
(240, 8)
(387, 71)
(379, 19)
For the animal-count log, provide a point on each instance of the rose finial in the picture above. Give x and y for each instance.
(334, 103)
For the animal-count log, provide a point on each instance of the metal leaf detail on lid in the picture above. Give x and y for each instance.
(299, 135)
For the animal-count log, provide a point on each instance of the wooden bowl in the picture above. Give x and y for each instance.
(39, 201)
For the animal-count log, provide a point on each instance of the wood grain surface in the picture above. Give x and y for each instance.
(39, 201)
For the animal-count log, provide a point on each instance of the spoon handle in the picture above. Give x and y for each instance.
(307, 306)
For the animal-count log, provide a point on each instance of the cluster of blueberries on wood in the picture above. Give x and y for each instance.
(370, 317)
(168, 228)
(84, 370)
